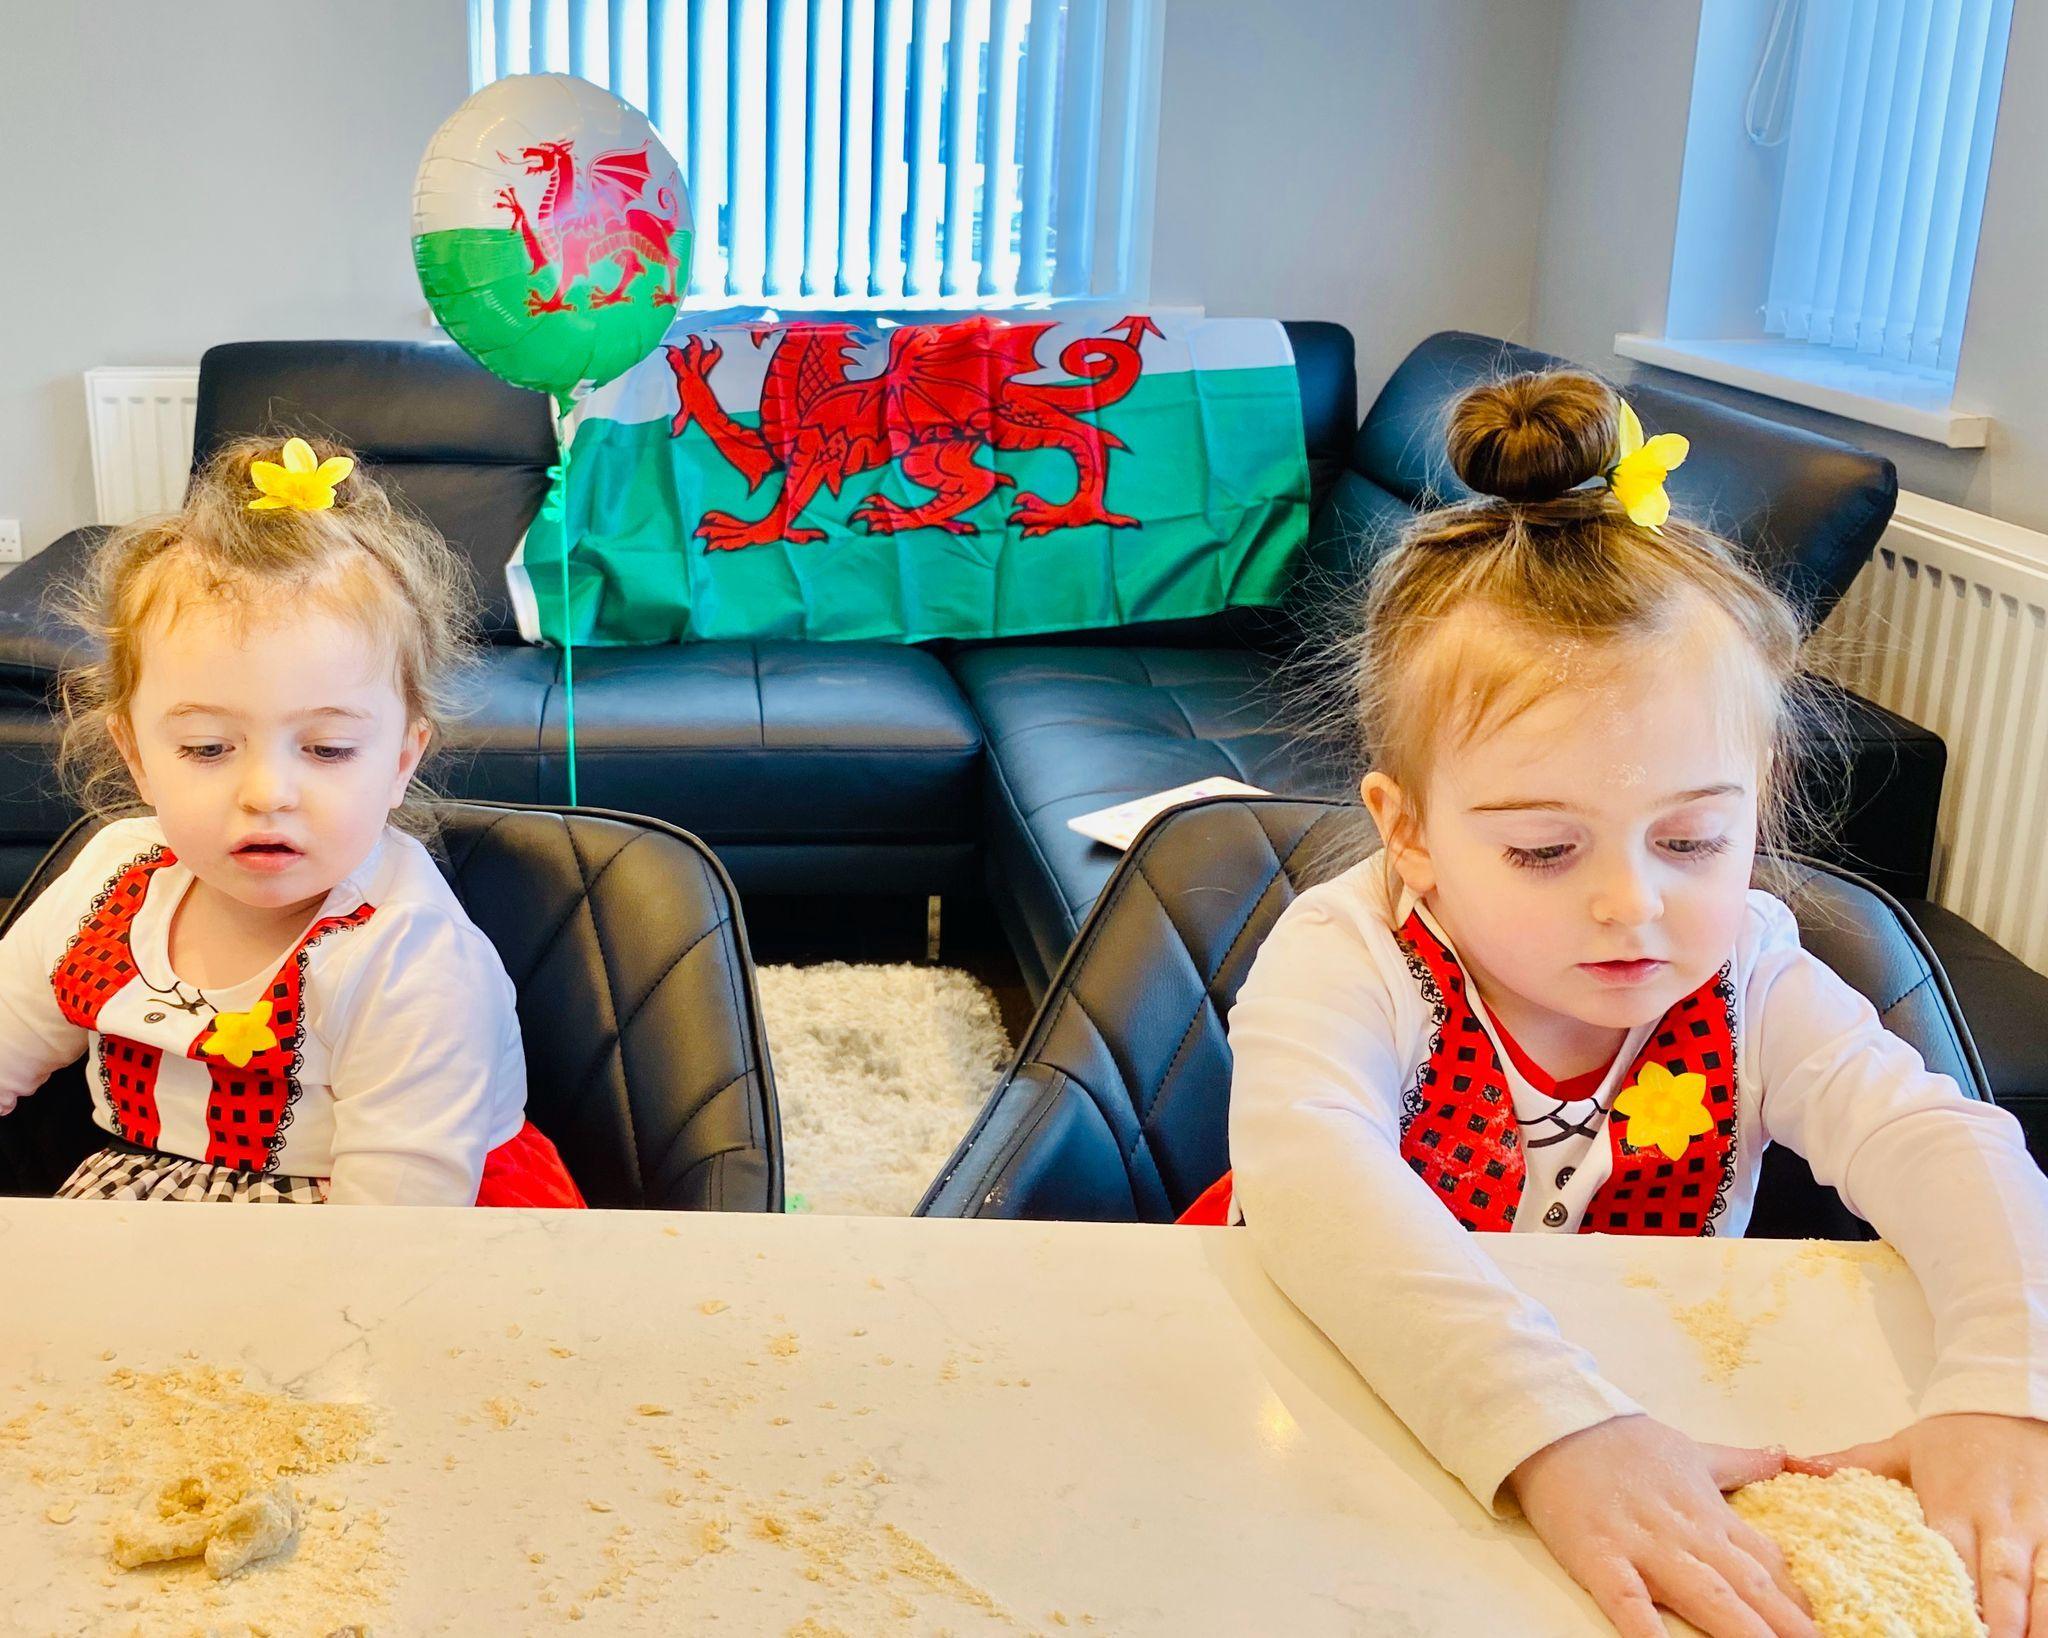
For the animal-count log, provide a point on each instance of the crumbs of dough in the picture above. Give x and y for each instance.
(1723, 1334)
(1720, 1333)
(713, 1306)
(783, 1345)
(204, 1462)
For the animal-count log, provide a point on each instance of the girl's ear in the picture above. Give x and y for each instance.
(122, 733)
(1398, 829)
(410, 749)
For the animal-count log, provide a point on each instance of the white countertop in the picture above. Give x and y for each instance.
(1097, 1428)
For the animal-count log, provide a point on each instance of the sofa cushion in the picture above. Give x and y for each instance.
(773, 742)
(1072, 729)
(2005, 1002)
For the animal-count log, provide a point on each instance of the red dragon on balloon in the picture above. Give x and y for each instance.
(947, 392)
(590, 218)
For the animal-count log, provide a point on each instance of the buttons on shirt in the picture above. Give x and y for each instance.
(1565, 1176)
(1555, 1216)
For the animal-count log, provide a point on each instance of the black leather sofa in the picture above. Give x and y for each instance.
(852, 769)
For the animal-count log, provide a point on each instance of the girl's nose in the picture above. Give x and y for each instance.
(1626, 896)
(268, 786)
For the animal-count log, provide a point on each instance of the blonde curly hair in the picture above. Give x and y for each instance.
(366, 558)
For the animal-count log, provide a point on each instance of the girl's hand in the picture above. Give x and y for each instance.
(1632, 1509)
(1983, 1483)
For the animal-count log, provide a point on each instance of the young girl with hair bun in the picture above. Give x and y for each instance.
(280, 997)
(1553, 1003)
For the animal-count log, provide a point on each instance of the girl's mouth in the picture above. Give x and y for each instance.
(266, 855)
(1623, 973)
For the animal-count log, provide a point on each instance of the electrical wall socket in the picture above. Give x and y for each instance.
(10, 540)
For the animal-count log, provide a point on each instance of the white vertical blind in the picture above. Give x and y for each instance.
(1888, 152)
(933, 152)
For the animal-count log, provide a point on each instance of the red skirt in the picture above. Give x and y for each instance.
(1210, 1208)
(526, 1171)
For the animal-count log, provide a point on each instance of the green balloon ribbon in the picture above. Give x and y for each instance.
(556, 509)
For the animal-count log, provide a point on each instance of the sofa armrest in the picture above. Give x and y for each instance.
(1879, 791)
(35, 638)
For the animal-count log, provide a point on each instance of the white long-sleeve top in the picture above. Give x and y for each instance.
(403, 1070)
(1331, 1030)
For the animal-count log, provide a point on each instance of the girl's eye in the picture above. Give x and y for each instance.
(334, 753)
(1697, 847)
(203, 753)
(1539, 858)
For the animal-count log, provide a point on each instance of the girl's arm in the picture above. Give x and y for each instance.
(36, 1039)
(426, 1044)
(1476, 1369)
(1946, 1179)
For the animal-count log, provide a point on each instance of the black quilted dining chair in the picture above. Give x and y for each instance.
(1117, 1105)
(646, 1061)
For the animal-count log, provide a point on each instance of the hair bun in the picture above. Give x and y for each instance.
(1534, 437)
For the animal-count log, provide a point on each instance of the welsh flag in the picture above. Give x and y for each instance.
(978, 478)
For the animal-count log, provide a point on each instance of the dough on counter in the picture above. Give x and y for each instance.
(1861, 1550)
(223, 1514)
(261, 1525)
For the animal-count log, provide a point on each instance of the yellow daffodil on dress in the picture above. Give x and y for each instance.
(239, 1036)
(301, 482)
(1664, 1111)
(1639, 470)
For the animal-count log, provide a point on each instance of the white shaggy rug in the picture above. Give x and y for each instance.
(879, 1070)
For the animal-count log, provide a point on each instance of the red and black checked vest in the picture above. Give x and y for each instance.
(247, 1109)
(1458, 1127)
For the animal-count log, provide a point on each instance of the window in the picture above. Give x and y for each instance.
(929, 153)
(1835, 170)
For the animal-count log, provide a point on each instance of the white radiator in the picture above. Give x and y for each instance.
(141, 422)
(1948, 626)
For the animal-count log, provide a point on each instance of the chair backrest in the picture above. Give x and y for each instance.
(465, 450)
(646, 1060)
(1116, 1107)
(1808, 509)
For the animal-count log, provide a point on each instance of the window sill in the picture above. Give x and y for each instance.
(1820, 379)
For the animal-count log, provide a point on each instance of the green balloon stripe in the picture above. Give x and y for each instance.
(477, 282)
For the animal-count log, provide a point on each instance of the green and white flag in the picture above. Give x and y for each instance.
(978, 478)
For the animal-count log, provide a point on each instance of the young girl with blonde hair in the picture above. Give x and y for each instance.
(1553, 1003)
(280, 997)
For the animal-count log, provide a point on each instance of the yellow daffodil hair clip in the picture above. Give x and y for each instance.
(302, 483)
(1640, 468)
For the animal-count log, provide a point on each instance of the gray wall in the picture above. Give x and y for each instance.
(194, 172)
(1610, 207)
(1372, 161)
(1377, 162)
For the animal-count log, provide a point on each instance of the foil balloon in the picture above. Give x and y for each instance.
(551, 232)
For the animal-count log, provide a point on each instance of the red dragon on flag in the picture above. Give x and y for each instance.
(591, 218)
(947, 392)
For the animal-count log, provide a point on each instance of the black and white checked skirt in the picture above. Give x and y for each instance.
(122, 1174)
